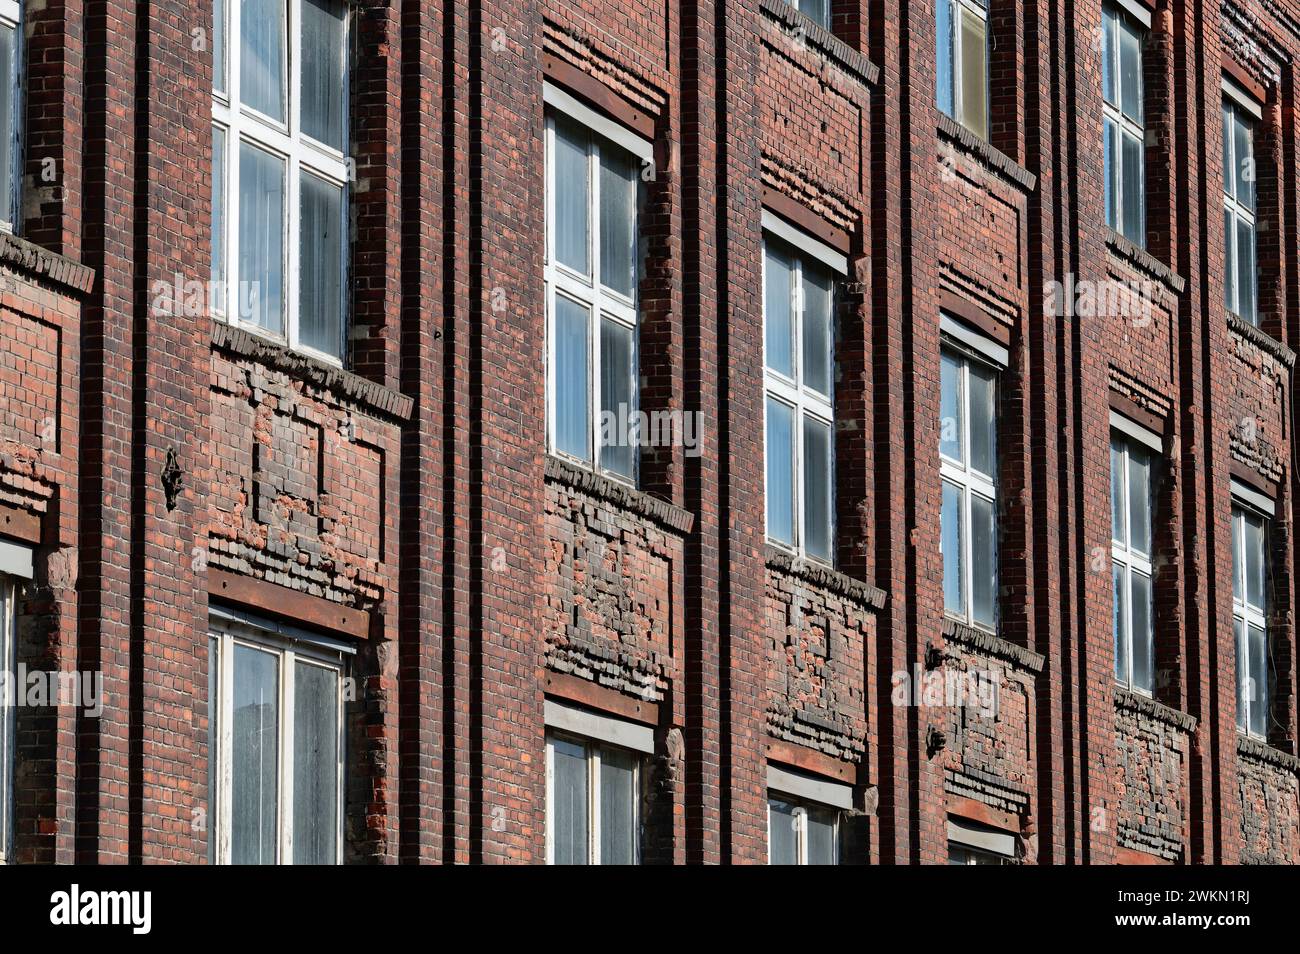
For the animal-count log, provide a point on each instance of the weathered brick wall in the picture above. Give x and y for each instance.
(1153, 743)
(1270, 807)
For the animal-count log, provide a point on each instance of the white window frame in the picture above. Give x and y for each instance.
(803, 400)
(800, 808)
(1131, 561)
(595, 750)
(599, 300)
(1248, 614)
(8, 621)
(972, 482)
(1121, 17)
(979, 9)
(1239, 213)
(11, 15)
(301, 155)
(288, 652)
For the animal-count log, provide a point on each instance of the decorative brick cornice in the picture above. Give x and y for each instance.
(1261, 339)
(865, 594)
(371, 396)
(992, 645)
(620, 495)
(819, 38)
(1145, 262)
(1263, 752)
(1144, 705)
(40, 263)
(988, 155)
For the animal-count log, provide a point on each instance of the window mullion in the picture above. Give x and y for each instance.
(593, 821)
(286, 757)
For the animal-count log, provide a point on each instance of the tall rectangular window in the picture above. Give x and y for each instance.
(816, 10)
(800, 832)
(8, 614)
(279, 181)
(593, 268)
(11, 76)
(593, 801)
(1249, 623)
(1130, 515)
(799, 372)
(277, 767)
(1124, 139)
(962, 62)
(1239, 175)
(968, 467)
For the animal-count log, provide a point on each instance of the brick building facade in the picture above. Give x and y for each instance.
(958, 526)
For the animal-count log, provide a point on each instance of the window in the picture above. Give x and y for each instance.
(961, 855)
(8, 620)
(816, 10)
(279, 182)
(1239, 211)
(973, 843)
(1249, 625)
(799, 369)
(593, 795)
(1130, 521)
(278, 759)
(968, 467)
(11, 75)
(961, 65)
(802, 833)
(592, 272)
(1121, 65)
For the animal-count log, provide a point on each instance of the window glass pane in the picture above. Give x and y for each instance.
(1117, 493)
(983, 562)
(571, 191)
(974, 74)
(821, 837)
(817, 487)
(1130, 67)
(261, 56)
(218, 273)
(783, 842)
(1143, 664)
(261, 238)
(1109, 74)
(1110, 158)
(572, 416)
(1243, 137)
(983, 420)
(778, 297)
(780, 471)
(1139, 500)
(1132, 190)
(1119, 586)
(324, 52)
(618, 798)
(1243, 669)
(617, 401)
(619, 180)
(1255, 562)
(950, 542)
(1258, 654)
(320, 287)
(943, 56)
(1246, 270)
(951, 421)
(254, 757)
(816, 10)
(816, 345)
(9, 77)
(219, 46)
(1230, 262)
(315, 765)
(569, 812)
